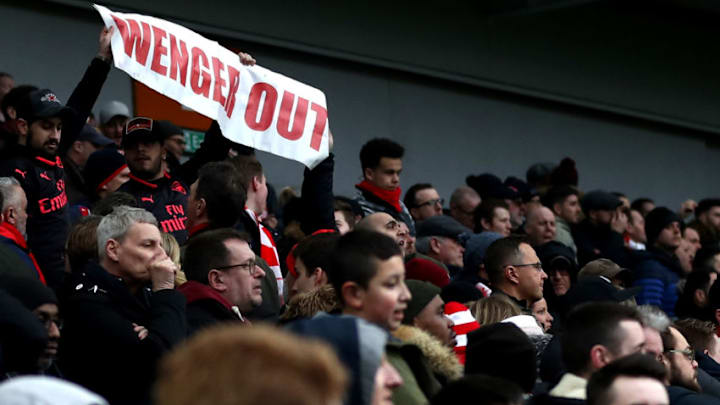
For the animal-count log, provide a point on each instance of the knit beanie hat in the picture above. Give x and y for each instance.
(29, 291)
(657, 220)
(422, 293)
(419, 268)
(504, 351)
(101, 167)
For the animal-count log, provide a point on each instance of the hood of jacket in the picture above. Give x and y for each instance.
(441, 359)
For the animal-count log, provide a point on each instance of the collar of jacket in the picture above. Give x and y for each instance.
(153, 184)
(194, 291)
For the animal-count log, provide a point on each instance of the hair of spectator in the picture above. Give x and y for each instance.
(171, 247)
(460, 194)
(81, 246)
(8, 192)
(653, 317)
(248, 168)
(346, 210)
(599, 388)
(223, 190)
(500, 254)
(116, 224)
(112, 200)
(310, 375)
(409, 199)
(313, 251)
(705, 205)
(486, 211)
(14, 96)
(699, 334)
(207, 251)
(639, 202)
(493, 309)
(378, 148)
(356, 258)
(590, 324)
(558, 194)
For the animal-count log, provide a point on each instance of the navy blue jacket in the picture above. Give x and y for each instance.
(657, 273)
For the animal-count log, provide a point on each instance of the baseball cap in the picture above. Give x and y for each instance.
(113, 109)
(140, 129)
(40, 104)
(90, 134)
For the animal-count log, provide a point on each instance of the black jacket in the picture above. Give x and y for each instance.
(100, 349)
(166, 198)
(22, 337)
(683, 396)
(48, 220)
(44, 179)
(595, 242)
(205, 307)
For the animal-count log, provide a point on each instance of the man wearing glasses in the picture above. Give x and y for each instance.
(423, 201)
(679, 360)
(224, 281)
(514, 269)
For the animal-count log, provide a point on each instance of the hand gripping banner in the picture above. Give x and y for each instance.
(253, 105)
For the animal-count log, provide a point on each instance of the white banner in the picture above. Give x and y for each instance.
(253, 105)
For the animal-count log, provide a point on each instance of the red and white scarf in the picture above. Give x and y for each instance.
(268, 252)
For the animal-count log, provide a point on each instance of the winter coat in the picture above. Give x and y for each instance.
(101, 350)
(658, 274)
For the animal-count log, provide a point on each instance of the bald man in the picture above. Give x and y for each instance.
(540, 226)
(384, 223)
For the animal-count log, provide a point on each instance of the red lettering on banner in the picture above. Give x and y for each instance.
(234, 80)
(132, 39)
(160, 50)
(218, 67)
(283, 123)
(178, 60)
(198, 86)
(48, 205)
(253, 105)
(319, 128)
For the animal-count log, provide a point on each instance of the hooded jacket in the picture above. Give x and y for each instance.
(359, 345)
(442, 360)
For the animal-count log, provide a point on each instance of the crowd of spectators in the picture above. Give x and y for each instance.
(132, 272)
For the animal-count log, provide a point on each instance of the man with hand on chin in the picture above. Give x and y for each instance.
(123, 314)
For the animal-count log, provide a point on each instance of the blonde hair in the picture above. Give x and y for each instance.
(239, 365)
(172, 249)
(493, 309)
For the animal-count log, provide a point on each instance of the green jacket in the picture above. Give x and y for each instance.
(419, 382)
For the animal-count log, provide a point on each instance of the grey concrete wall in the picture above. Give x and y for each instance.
(449, 129)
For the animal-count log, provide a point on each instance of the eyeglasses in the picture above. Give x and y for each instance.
(436, 201)
(250, 266)
(689, 353)
(537, 266)
(47, 321)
